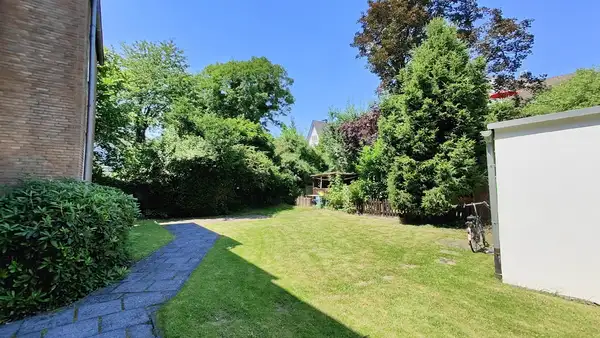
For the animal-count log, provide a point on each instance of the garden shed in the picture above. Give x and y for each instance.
(545, 197)
(322, 181)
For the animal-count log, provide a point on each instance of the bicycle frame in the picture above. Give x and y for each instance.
(475, 204)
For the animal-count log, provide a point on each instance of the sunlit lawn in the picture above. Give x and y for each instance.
(319, 273)
(147, 236)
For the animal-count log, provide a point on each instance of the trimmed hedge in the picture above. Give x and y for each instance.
(60, 240)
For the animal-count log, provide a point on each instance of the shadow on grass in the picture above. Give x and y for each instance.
(228, 296)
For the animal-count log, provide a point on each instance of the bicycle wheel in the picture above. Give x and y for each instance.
(475, 236)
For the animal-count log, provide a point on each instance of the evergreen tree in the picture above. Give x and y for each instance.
(430, 130)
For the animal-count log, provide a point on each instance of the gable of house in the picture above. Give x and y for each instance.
(316, 130)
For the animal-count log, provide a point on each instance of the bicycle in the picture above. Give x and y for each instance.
(475, 231)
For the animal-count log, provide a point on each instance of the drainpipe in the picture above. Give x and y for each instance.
(488, 136)
(91, 104)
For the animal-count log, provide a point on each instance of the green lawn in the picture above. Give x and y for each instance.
(319, 273)
(147, 236)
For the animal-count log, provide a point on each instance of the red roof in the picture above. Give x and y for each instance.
(503, 94)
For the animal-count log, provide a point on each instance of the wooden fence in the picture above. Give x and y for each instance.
(303, 201)
(379, 208)
(383, 208)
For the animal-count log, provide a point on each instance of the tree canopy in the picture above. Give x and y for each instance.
(581, 91)
(257, 90)
(391, 29)
(196, 144)
(430, 130)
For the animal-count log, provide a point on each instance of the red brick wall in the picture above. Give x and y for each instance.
(43, 87)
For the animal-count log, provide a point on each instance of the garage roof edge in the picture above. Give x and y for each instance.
(545, 118)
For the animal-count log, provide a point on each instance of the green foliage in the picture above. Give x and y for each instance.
(372, 168)
(60, 240)
(336, 154)
(431, 129)
(193, 144)
(156, 76)
(391, 29)
(504, 110)
(582, 91)
(296, 157)
(137, 88)
(210, 166)
(341, 196)
(112, 117)
(257, 90)
(357, 192)
(338, 195)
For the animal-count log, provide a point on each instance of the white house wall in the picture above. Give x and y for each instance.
(313, 138)
(548, 180)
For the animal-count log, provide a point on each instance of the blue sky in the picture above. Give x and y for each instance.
(311, 39)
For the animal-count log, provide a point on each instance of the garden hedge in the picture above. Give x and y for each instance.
(60, 240)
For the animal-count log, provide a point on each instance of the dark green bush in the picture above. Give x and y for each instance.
(209, 166)
(60, 240)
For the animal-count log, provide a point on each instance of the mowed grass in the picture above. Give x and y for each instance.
(145, 237)
(319, 273)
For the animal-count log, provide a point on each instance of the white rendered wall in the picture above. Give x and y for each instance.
(313, 140)
(548, 180)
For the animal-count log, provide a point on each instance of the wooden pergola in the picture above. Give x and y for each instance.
(321, 181)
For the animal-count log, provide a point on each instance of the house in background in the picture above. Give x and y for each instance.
(48, 55)
(527, 94)
(315, 132)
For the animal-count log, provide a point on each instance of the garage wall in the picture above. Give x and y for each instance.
(548, 180)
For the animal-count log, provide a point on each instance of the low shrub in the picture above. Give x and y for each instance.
(337, 194)
(344, 197)
(60, 240)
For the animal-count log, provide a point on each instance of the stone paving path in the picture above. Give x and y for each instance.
(126, 309)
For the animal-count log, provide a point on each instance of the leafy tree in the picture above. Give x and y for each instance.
(337, 155)
(112, 116)
(372, 168)
(136, 89)
(359, 132)
(257, 90)
(296, 157)
(219, 165)
(391, 29)
(430, 130)
(582, 91)
(506, 43)
(503, 110)
(156, 76)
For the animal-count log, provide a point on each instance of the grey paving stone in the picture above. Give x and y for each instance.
(30, 335)
(135, 276)
(100, 298)
(9, 329)
(104, 290)
(138, 300)
(164, 275)
(98, 309)
(178, 260)
(47, 321)
(141, 331)
(135, 286)
(36, 323)
(166, 285)
(113, 334)
(124, 319)
(79, 329)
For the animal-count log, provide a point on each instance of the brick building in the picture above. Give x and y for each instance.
(45, 93)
